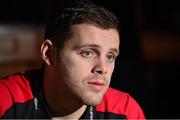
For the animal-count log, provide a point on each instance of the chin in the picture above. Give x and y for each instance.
(92, 103)
(94, 100)
(96, 103)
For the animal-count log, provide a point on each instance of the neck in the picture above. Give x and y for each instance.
(61, 103)
(75, 115)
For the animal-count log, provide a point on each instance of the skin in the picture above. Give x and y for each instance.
(80, 73)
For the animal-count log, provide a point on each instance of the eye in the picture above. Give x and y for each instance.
(87, 53)
(110, 58)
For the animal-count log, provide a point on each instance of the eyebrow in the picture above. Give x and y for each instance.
(97, 46)
(115, 50)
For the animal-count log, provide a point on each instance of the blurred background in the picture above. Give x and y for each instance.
(148, 67)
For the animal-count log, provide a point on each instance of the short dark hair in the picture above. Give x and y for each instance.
(77, 12)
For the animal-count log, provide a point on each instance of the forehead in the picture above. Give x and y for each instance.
(90, 34)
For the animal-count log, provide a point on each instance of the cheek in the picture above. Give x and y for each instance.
(110, 71)
(79, 72)
(76, 66)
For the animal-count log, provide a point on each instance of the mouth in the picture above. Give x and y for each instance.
(96, 86)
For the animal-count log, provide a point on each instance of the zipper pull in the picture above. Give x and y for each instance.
(36, 103)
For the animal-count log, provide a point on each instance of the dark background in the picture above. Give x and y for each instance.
(152, 81)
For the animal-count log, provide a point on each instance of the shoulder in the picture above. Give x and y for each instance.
(14, 89)
(119, 102)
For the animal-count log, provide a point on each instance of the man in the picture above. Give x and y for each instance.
(79, 52)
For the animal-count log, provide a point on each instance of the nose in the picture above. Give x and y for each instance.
(100, 67)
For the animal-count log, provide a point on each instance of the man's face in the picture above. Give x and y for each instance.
(86, 62)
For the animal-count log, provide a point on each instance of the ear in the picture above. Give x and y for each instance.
(47, 52)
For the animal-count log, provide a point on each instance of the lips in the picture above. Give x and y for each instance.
(96, 86)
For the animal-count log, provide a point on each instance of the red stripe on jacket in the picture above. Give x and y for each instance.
(120, 103)
(13, 89)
